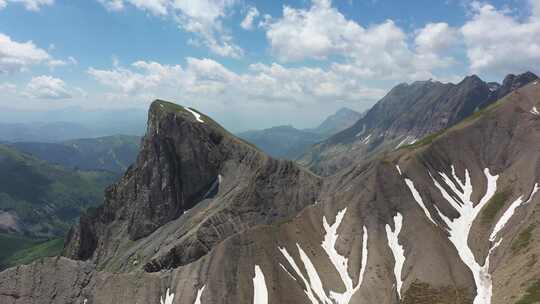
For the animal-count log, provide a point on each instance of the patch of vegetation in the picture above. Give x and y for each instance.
(45, 249)
(19, 249)
(532, 294)
(423, 293)
(494, 206)
(523, 239)
(46, 198)
(169, 106)
(425, 140)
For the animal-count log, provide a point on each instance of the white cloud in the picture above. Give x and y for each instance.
(20, 56)
(244, 98)
(8, 88)
(498, 43)
(17, 56)
(380, 50)
(47, 87)
(436, 38)
(251, 15)
(204, 18)
(206, 80)
(31, 5)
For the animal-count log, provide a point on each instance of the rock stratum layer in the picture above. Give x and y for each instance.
(204, 218)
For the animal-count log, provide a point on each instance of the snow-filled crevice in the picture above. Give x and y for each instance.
(507, 215)
(260, 291)
(397, 250)
(169, 298)
(314, 286)
(199, 295)
(195, 114)
(418, 199)
(459, 228)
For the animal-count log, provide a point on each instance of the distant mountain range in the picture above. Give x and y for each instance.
(287, 142)
(111, 153)
(406, 114)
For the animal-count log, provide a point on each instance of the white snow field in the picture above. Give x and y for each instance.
(397, 250)
(315, 291)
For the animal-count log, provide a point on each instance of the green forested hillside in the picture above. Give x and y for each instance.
(43, 200)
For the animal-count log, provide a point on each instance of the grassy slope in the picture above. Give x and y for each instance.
(47, 198)
(18, 249)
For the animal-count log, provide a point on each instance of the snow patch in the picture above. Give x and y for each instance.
(313, 284)
(397, 249)
(169, 297)
(366, 140)
(460, 227)
(399, 169)
(534, 111)
(199, 294)
(409, 140)
(419, 200)
(503, 220)
(197, 115)
(260, 292)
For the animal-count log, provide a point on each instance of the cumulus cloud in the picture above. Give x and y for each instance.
(31, 5)
(251, 15)
(379, 50)
(498, 43)
(206, 79)
(47, 87)
(204, 18)
(17, 56)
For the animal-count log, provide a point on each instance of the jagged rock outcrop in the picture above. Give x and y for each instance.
(196, 179)
(450, 219)
(407, 113)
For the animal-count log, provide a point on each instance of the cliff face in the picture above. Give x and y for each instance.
(450, 219)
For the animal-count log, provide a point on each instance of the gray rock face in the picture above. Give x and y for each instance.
(405, 115)
(390, 230)
(183, 163)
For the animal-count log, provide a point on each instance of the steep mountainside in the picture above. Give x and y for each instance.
(406, 114)
(450, 219)
(288, 142)
(39, 199)
(112, 153)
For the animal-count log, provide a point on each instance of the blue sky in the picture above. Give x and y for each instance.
(241, 60)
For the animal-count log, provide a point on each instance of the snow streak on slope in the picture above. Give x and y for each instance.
(314, 286)
(199, 294)
(460, 227)
(397, 250)
(169, 297)
(260, 292)
(509, 212)
(197, 115)
(418, 199)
